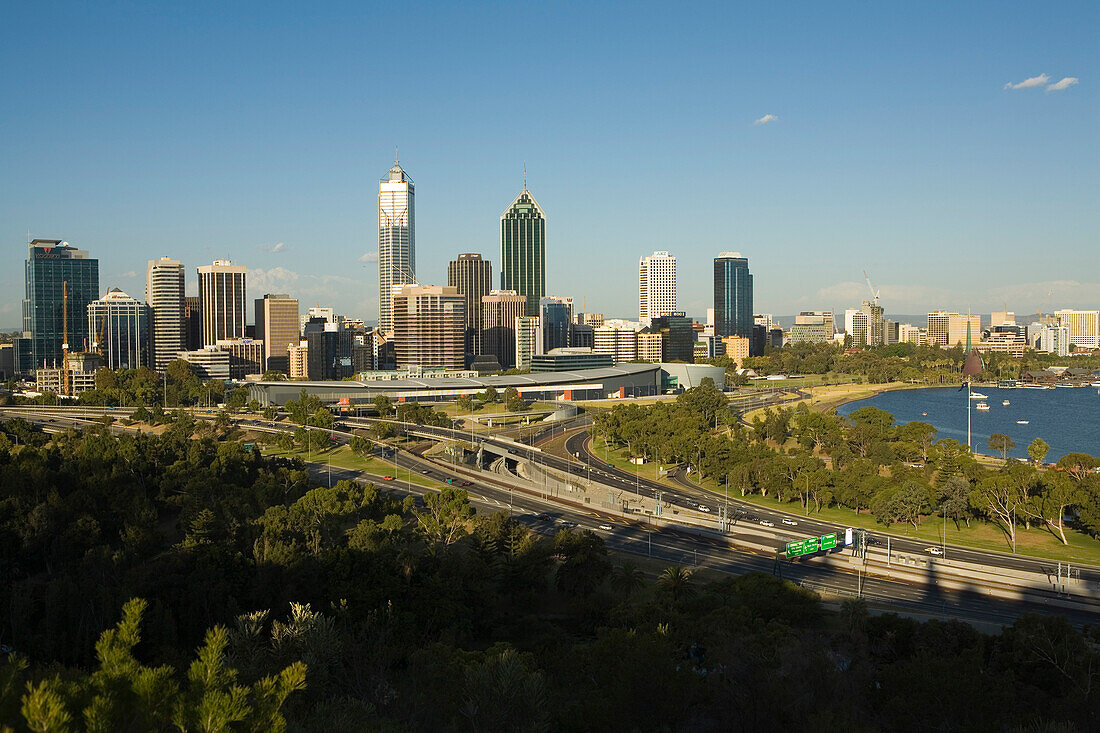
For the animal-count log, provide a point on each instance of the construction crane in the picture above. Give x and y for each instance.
(1046, 300)
(874, 293)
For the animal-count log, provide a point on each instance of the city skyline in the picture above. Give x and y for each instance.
(889, 156)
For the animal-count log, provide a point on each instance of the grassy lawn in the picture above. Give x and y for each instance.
(343, 457)
(1036, 542)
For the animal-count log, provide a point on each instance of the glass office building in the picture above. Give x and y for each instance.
(54, 266)
(120, 329)
(732, 295)
(523, 250)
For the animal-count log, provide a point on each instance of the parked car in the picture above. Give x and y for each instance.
(704, 508)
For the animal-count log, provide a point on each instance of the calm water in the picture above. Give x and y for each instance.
(1067, 419)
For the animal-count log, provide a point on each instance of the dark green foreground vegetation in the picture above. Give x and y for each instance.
(269, 602)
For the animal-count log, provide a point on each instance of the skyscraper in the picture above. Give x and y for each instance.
(732, 295)
(499, 311)
(555, 317)
(119, 326)
(221, 300)
(164, 295)
(656, 286)
(473, 277)
(277, 327)
(523, 249)
(429, 326)
(396, 240)
(54, 266)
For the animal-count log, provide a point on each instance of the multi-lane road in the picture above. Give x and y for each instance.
(666, 543)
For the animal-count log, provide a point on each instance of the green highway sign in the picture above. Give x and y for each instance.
(810, 545)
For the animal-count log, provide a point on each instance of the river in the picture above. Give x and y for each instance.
(1066, 418)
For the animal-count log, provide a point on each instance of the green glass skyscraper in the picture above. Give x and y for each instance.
(523, 250)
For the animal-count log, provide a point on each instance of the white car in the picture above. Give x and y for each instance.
(789, 522)
(704, 508)
(605, 527)
(767, 523)
(933, 550)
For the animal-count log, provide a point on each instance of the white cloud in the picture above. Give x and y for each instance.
(766, 119)
(369, 257)
(1035, 81)
(273, 248)
(275, 279)
(1065, 83)
(131, 273)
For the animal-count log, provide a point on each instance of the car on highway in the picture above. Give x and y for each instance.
(606, 527)
(424, 471)
(751, 517)
(933, 550)
(467, 483)
(704, 508)
(789, 522)
(873, 540)
(767, 523)
(544, 517)
(387, 478)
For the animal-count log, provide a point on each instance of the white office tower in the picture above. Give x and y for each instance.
(221, 300)
(1083, 327)
(396, 241)
(656, 286)
(164, 295)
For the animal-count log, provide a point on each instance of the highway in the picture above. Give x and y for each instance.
(668, 544)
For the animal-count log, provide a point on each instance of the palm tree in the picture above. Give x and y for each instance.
(854, 613)
(626, 578)
(676, 581)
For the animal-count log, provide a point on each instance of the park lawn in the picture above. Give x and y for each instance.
(344, 457)
(1035, 542)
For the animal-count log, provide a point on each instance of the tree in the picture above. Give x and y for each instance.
(1002, 444)
(1038, 450)
(1059, 492)
(464, 403)
(448, 515)
(513, 401)
(627, 578)
(1000, 495)
(676, 582)
(502, 694)
(921, 434)
(383, 405)
(584, 562)
(489, 395)
(123, 694)
(360, 445)
(954, 499)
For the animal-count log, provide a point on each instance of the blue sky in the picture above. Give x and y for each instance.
(259, 131)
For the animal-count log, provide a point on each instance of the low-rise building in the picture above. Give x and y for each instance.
(210, 362)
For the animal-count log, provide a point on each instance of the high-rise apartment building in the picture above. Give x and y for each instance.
(910, 334)
(620, 343)
(528, 335)
(737, 348)
(651, 345)
(499, 311)
(656, 286)
(164, 295)
(429, 327)
(876, 323)
(952, 329)
(1083, 327)
(396, 240)
(222, 302)
(473, 277)
(298, 356)
(277, 327)
(60, 282)
(523, 250)
(120, 329)
(732, 295)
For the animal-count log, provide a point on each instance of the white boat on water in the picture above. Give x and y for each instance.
(1006, 403)
(981, 406)
(1022, 422)
(978, 396)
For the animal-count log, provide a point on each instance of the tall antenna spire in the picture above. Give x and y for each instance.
(525, 175)
(396, 159)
